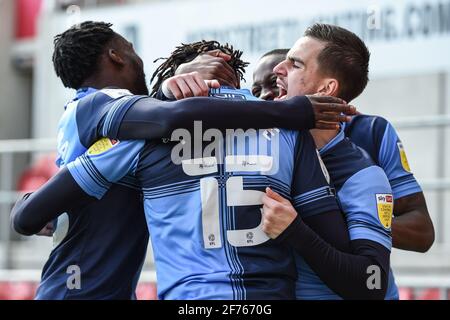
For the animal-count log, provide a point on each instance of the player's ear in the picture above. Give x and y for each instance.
(329, 87)
(115, 57)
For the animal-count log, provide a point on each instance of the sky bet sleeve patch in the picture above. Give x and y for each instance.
(385, 208)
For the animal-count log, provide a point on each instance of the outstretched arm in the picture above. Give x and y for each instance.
(152, 119)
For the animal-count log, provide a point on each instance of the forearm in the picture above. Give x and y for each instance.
(16, 216)
(153, 119)
(58, 195)
(344, 273)
(412, 228)
(411, 231)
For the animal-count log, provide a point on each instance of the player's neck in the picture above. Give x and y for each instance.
(322, 137)
(105, 82)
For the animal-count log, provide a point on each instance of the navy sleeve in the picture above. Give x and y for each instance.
(347, 274)
(58, 195)
(96, 112)
(152, 119)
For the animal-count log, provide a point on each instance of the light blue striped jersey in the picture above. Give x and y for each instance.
(203, 209)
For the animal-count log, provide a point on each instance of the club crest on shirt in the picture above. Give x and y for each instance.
(102, 145)
(385, 208)
(403, 158)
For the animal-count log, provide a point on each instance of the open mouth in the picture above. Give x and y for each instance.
(282, 93)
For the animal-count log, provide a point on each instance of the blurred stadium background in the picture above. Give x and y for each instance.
(410, 85)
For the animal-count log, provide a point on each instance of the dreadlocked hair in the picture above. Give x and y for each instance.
(188, 52)
(77, 51)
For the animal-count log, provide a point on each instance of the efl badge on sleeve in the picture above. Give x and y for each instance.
(102, 145)
(403, 158)
(385, 208)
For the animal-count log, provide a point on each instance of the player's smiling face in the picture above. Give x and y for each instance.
(299, 74)
(264, 80)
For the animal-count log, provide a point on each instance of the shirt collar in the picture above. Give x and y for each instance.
(338, 138)
(229, 89)
(83, 92)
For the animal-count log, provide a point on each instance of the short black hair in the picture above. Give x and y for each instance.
(78, 49)
(344, 57)
(188, 52)
(276, 52)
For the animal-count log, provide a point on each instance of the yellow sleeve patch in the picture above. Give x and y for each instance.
(102, 145)
(385, 207)
(403, 158)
